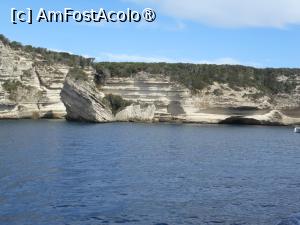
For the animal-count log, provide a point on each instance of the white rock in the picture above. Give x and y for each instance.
(136, 113)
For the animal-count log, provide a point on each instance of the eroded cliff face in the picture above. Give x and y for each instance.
(85, 101)
(156, 98)
(29, 88)
(32, 88)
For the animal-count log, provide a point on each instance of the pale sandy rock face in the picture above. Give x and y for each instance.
(136, 113)
(276, 117)
(147, 89)
(223, 96)
(39, 86)
(213, 104)
(83, 102)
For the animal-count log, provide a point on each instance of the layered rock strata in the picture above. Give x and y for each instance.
(30, 87)
(156, 98)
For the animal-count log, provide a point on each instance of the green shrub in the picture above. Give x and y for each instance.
(218, 92)
(16, 45)
(193, 76)
(78, 74)
(198, 76)
(50, 57)
(4, 40)
(27, 73)
(11, 87)
(116, 103)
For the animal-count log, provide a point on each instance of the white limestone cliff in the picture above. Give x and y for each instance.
(136, 113)
(83, 102)
(217, 103)
(155, 98)
(39, 85)
(41, 90)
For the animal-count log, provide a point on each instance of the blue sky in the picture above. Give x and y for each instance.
(260, 33)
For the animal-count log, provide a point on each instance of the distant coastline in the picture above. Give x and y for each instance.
(38, 83)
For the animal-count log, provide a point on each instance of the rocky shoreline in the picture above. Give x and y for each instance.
(84, 102)
(32, 87)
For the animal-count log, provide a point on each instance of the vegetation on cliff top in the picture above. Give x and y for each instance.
(49, 57)
(198, 76)
(193, 76)
(78, 74)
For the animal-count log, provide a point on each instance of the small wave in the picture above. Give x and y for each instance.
(293, 220)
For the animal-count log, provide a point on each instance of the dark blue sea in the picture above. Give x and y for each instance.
(55, 172)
